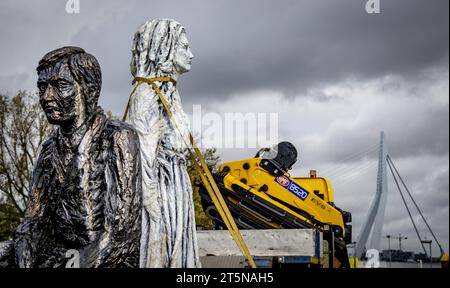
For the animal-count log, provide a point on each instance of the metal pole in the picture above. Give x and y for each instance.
(400, 241)
(390, 253)
(431, 257)
(389, 247)
(332, 246)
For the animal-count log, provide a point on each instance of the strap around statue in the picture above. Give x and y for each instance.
(150, 81)
(154, 79)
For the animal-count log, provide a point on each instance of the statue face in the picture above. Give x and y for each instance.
(59, 94)
(183, 54)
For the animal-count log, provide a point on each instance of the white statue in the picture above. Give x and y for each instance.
(160, 49)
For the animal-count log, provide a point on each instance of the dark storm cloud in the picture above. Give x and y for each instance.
(262, 44)
(246, 45)
(293, 45)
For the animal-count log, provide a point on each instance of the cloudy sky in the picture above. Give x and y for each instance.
(335, 75)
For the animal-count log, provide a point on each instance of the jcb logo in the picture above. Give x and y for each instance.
(283, 180)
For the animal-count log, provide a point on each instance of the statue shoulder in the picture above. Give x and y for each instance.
(120, 132)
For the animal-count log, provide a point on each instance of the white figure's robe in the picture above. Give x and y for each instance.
(168, 222)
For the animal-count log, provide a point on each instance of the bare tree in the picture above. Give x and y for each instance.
(23, 128)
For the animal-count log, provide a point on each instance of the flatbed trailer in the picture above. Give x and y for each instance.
(270, 248)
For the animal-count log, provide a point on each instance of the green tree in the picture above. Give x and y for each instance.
(9, 220)
(23, 128)
(212, 160)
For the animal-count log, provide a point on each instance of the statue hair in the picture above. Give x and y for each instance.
(154, 47)
(84, 68)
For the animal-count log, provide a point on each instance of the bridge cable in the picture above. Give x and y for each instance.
(406, 205)
(418, 209)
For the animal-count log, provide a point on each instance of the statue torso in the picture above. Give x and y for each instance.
(78, 181)
(73, 176)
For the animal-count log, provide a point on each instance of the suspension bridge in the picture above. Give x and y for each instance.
(371, 232)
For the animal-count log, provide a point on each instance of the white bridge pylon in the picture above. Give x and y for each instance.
(375, 217)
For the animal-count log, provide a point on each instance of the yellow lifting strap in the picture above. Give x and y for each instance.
(202, 167)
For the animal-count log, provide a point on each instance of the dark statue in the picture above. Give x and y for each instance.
(85, 193)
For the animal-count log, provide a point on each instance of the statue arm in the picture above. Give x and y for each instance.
(145, 113)
(31, 232)
(119, 244)
(182, 121)
(146, 116)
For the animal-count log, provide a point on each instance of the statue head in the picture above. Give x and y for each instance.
(69, 82)
(160, 48)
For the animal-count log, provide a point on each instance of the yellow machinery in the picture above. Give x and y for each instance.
(262, 195)
(444, 260)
